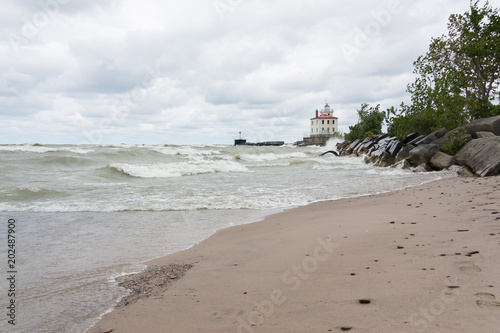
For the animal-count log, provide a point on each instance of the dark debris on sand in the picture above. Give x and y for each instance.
(154, 281)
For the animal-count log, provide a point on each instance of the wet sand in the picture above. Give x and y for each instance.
(424, 259)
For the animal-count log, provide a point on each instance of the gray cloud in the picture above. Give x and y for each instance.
(199, 71)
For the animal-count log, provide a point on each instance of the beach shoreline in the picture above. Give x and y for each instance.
(424, 258)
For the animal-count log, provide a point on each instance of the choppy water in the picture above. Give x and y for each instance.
(86, 214)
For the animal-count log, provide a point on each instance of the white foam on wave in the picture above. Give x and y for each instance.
(179, 169)
(81, 151)
(43, 149)
(270, 156)
(28, 148)
(186, 151)
(387, 171)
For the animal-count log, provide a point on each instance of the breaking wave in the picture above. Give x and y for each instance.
(178, 169)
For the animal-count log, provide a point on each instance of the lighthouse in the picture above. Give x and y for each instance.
(324, 123)
(323, 126)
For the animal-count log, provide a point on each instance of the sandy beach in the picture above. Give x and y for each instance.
(424, 259)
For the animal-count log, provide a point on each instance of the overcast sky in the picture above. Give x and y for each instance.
(200, 71)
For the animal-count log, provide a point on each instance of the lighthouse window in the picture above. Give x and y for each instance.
(323, 122)
(328, 122)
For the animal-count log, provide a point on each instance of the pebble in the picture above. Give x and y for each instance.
(365, 301)
(469, 254)
(400, 247)
(353, 274)
(108, 331)
(463, 230)
(346, 328)
(453, 287)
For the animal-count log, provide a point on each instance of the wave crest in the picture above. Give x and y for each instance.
(179, 169)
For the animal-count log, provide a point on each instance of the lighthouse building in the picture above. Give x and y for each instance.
(324, 124)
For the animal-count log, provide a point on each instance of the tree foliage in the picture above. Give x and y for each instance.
(457, 79)
(369, 123)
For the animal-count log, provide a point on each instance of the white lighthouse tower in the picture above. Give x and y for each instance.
(324, 123)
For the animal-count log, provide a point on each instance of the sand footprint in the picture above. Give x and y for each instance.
(468, 266)
(487, 301)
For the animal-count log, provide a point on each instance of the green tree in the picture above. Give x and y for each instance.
(369, 123)
(457, 79)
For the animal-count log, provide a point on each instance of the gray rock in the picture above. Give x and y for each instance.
(463, 171)
(484, 135)
(491, 124)
(482, 156)
(385, 160)
(403, 164)
(424, 167)
(423, 153)
(417, 139)
(404, 153)
(432, 137)
(410, 137)
(364, 146)
(442, 161)
(394, 147)
(379, 137)
(349, 149)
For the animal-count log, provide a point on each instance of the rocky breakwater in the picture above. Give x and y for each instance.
(474, 148)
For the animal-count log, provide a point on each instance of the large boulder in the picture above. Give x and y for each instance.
(385, 160)
(442, 161)
(394, 147)
(433, 136)
(491, 124)
(423, 153)
(484, 135)
(410, 137)
(379, 137)
(424, 167)
(481, 155)
(404, 153)
(350, 148)
(364, 146)
(417, 139)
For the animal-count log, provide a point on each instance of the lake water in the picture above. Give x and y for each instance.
(87, 214)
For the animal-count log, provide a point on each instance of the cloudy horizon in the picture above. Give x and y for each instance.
(198, 72)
